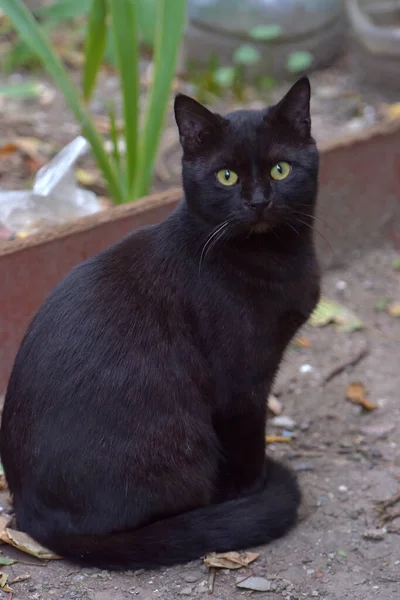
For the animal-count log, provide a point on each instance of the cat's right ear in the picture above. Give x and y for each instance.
(199, 128)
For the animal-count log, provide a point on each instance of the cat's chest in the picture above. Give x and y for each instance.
(247, 329)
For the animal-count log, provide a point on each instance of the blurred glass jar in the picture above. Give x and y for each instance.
(375, 34)
(276, 28)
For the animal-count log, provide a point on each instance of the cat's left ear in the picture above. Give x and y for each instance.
(294, 108)
(198, 127)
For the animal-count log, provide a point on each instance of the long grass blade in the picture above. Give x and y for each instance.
(31, 33)
(20, 90)
(115, 148)
(125, 34)
(63, 10)
(170, 21)
(95, 43)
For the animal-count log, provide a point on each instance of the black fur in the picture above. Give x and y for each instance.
(134, 421)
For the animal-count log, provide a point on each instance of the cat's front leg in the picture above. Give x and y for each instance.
(241, 436)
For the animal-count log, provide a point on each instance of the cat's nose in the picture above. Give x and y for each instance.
(259, 203)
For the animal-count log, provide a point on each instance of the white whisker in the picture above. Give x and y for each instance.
(213, 236)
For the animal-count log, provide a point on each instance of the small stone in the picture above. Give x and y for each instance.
(377, 431)
(204, 569)
(375, 453)
(192, 577)
(186, 591)
(328, 92)
(314, 594)
(355, 124)
(289, 434)
(303, 465)
(306, 368)
(274, 405)
(103, 595)
(258, 584)
(283, 421)
(305, 425)
(374, 534)
(139, 572)
(341, 285)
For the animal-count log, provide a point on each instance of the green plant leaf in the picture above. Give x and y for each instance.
(115, 151)
(95, 42)
(246, 55)
(329, 311)
(63, 10)
(124, 31)
(266, 83)
(264, 33)
(20, 90)
(146, 9)
(32, 34)
(6, 562)
(396, 264)
(170, 21)
(299, 61)
(224, 76)
(381, 304)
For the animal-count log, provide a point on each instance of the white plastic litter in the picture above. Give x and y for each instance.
(55, 197)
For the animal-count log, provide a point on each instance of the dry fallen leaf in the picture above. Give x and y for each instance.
(329, 311)
(24, 542)
(19, 578)
(278, 439)
(7, 149)
(33, 149)
(356, 393)
(102, 123)
(85, 177)
(3, 583)
(274, 405)
(393, 111)
(230, 560)
(394, 309)
(302, 342)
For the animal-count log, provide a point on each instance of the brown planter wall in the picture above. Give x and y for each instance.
(359, 199)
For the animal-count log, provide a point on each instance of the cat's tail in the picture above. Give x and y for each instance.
(233, 525)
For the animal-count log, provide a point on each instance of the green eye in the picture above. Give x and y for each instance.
(227, 177)
(280, 171)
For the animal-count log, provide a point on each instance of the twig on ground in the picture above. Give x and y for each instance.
(211, 580)
(383, 505)
(351, 362)
(384, 514)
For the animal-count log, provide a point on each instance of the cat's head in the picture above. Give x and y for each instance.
(255, 168)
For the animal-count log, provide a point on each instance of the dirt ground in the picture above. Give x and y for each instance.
(347, 460)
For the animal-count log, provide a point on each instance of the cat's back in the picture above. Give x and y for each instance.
(98, 326)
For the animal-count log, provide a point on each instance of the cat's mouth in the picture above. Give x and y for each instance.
(260, 227)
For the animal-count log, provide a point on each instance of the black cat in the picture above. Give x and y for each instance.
(133, 430)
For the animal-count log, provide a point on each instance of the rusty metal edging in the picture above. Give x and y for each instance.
(116, 213)
(359, 197)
